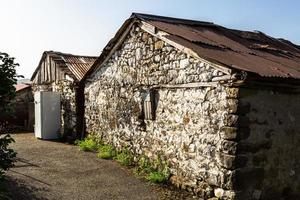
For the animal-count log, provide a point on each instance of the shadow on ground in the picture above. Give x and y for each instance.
(47, 170)
(18, 190)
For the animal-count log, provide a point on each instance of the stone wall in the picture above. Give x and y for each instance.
(67, 89)
(188, 127)
(272, 145)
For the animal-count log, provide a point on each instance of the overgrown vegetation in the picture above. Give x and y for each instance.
(106, 152)
(88, 144)
(125, 157)
(156, 171)
(157, 177)
(144, 166)
(7, 155)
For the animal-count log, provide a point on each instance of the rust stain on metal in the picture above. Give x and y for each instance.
(242, 50)
(64, 63)
(79, 65)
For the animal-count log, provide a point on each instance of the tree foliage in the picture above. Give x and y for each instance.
(8, 78)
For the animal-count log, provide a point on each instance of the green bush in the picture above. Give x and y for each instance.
(88, 144)
(7, 155)
(125, 157)
(106, 152)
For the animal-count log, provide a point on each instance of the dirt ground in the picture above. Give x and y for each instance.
(48, 170)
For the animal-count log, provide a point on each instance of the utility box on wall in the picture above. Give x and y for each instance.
(47, 115)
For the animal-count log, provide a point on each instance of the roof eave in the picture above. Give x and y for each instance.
(39, 65)
(110, 46)
(135, 17)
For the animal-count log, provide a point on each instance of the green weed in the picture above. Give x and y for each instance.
(88, 144)
(144, 166)
(106, 152)
(125, 157)
(157, 177)
(155, 172)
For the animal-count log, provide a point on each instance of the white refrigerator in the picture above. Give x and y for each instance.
(47, 115)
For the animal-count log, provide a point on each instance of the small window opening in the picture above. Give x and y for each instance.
(150, 105)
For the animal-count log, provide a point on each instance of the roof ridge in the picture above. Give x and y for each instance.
(65, 57)
(143, 16)
(240, 53)
(69, 54)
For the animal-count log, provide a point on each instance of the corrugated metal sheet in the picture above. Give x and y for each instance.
(242, 50)
(79, 65)
(68, 63)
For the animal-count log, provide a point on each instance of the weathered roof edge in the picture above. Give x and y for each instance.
(108, 47)
(45, 53)
(39, 65)
(133, 18)
(146, 17)
(143, 16)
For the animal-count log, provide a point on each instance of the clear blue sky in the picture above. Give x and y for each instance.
(85, 26)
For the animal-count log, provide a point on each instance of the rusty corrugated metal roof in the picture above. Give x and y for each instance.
(77, 64)
(242, 50)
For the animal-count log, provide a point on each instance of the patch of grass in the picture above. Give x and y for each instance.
(157, 177)
(143, 166)
(106, 152)
(155, 172)
(88, 144)
(125, 158)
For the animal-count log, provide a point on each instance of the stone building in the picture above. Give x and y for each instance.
(62, 72)
(222, 106)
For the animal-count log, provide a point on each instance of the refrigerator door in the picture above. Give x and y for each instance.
(47, 115)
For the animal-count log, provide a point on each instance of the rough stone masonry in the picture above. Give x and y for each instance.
(156, 100)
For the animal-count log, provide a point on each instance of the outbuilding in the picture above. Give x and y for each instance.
(62, 72)
(221, 106)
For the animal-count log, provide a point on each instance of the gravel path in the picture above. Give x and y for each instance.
(52, 170)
